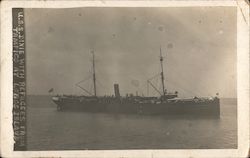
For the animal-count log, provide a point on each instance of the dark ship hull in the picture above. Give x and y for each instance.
(191, 107)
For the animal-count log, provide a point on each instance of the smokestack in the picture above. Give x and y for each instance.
(116, 88)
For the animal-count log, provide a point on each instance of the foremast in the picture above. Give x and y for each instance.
(94, 77)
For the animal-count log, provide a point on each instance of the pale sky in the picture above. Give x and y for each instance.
(198, 45)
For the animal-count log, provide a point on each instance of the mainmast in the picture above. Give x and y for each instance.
(162, 75)
(94, 79)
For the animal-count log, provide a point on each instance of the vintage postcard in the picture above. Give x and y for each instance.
(124, 79)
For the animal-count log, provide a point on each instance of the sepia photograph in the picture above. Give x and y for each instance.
(131, 78)
(126, 79)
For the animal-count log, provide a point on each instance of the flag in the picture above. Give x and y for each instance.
(51, 90)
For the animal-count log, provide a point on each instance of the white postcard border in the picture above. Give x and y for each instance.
(242, 81)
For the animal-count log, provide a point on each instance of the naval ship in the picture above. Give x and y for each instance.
(166, 103)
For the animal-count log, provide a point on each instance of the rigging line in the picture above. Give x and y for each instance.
(99, 72)
(91, 87)
(101, 84)
(147, 89)
(78, 85)
(154, 77)
(84, 90)
(97, 80)
(154, 87)
(84, 80)
(142, 87)
(150, 79)
(88, 88)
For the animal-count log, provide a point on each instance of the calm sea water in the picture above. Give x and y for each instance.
(52, 130)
